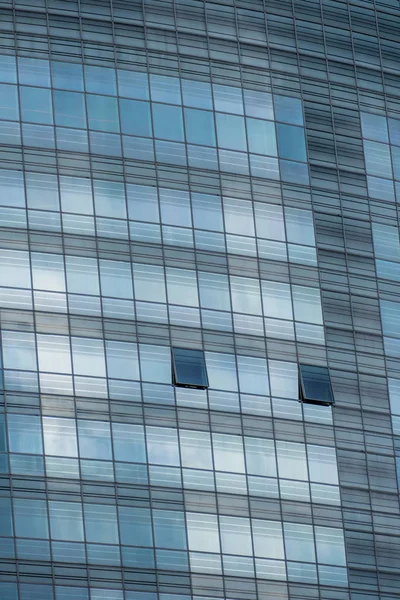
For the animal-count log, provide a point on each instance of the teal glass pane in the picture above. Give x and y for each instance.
(288, 110)
(36, 105)
(291, 142)
(69, 109)
(9, 102)
(261, 136)
(168, 124)
(200, 127)
(231, 132)
(67, 76)
(135, 117)
(103, 113)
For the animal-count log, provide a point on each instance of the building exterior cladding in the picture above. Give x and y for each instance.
(219, 177)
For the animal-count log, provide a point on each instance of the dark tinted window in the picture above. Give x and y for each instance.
(189, 368)
(315, 384)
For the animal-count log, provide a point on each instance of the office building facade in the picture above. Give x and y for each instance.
(199, 299)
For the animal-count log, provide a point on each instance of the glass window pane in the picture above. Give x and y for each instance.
(109, 198)
(228, 453)
(207, 212)
(155, 363)
(135, 526)
(165, 89)
(253, 375)
(260, 457)
(262, 138)
(316, 383)
(394, 131)
(33, 71)
(36, 105)
(54, 353)
(128, 441)
(132, 84)
(269, 221)
(162, 446)
(214, 291)
(189, 367)
(88, 357)
(292, 462)
(199, 127)
(94, 439)
(258, 104)
(19, 350)
(168, 123)
(82, 275)
(299, 542)
(203, 533)
(103, 113)
(101, 523)
(169, 529)
(228, 99)
(122, 360)
(9, 102)
(25, 434)
(196, 94)
(60, 436)
(377, 159)
(288, 110)
(135, 117)
(195, 449)
(307, 304)
(182, 287)
(100, 80)
(268, 539)
(322, 464)
(8, 69)
(246, 295)
(30, 518)
(221, 369)
(66, 521)
(116, 279)
(291, 142)
(67, 76)
(231, 132)
(374, 127)
(330, 546)
(69, 109)
(236, 536)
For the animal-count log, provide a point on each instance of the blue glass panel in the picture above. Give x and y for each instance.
(396, 161)
(69, 109)
(33, 71)
(132, 84)
(168, 122)
(6, 528)
(197, 94)
(8, 591)
(294, 172)
(9, 102)
(36, 592)
(262, 137)
(288, 110)
(169, 529)
(291, 142)
(394, 131)
(135, 526)
(231, 132)
(100, 80)
(103, 113)
(138, 148)
(165, 89)
(8, 69)
(135, 117)
(200, 127)
(67, 76)
(377, 159)
(36, 105)
(374, 127)
(30, 518)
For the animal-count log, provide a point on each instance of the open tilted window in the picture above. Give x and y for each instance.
(189, 368)
(315, 384)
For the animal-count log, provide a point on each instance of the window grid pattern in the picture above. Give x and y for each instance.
(156, 193)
